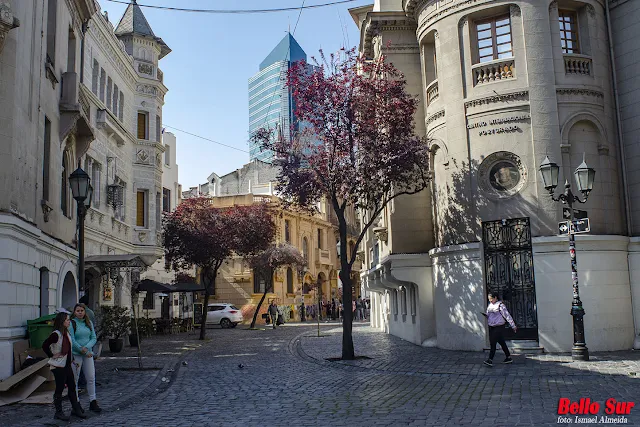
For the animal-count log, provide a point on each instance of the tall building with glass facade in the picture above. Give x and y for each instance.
(270, 102)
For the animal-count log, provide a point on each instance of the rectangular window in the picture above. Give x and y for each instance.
(115, 99)
(167, 155)
(568, 31)
(52, 12)
(141, 201)
(96, 170)
(494, 39)
(95, 72)
(109, 92)
(46, 158)
(103, 83)
(71, 51)
(158, 128)
(260, 284)
(120, 211)
(166, 200)
(319, 238)
(142, 125)
(287, 231)
(121, 110)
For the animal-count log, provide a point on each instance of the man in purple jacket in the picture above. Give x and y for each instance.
(497, 315)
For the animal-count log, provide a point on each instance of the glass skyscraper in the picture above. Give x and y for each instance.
(270, 102)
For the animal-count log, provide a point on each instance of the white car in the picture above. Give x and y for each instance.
(223, 314)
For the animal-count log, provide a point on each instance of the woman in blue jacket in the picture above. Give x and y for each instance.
(83, 335)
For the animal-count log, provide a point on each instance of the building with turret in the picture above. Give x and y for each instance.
(75, 91)
(502, 86)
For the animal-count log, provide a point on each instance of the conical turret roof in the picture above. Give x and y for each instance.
(133, 22)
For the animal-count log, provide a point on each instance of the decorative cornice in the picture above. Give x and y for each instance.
(514, 96)
(433, 117)
(7, 22)
(384, 21)
(441, 12)
(580, 92)
(114, 49)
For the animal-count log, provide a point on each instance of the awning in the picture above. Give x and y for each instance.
(154, 287)
(117, 261)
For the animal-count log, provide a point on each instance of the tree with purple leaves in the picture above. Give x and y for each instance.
(355, 145)
(265, 263)
(198, 234)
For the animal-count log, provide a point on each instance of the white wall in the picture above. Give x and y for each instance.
(459, 296)
(603, 275)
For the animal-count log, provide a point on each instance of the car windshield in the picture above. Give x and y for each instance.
(233, 307)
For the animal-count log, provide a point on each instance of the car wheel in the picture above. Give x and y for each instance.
(225, 323)
(233, 325)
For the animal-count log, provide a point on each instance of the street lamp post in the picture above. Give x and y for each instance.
(82, 193)
(584, 176)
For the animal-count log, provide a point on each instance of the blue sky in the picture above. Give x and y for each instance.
(212, 58)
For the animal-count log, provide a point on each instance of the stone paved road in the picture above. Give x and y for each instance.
(287, 381)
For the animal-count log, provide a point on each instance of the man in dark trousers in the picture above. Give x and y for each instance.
(273, 313)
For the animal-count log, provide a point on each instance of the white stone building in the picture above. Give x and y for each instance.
(73, 92)
(524, 80)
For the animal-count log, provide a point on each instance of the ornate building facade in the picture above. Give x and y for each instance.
(524, 80)
(75, 92)
(313, 235)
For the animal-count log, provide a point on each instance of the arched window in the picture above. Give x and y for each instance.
(289, 280)
(305, 249)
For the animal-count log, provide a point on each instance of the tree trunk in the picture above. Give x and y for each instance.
(255, 315)
(205, 311)
(347, 306)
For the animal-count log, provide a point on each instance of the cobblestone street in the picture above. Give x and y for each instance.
(285, 379)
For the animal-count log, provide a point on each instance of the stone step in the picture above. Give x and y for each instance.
(523, 347)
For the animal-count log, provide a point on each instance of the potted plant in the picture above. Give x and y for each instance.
(115, 324)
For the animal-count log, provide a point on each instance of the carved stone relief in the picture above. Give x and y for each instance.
(502, 175)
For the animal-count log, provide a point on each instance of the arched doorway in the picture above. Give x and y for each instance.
(69, 291)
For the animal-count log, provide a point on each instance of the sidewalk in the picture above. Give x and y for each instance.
(121, 384)
(455, 386)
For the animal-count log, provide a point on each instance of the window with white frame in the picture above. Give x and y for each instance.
(568, 31)
(494, 39)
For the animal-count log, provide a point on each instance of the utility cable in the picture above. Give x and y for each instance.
(206, 139)
(236, 11)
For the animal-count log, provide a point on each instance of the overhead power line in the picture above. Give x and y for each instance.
(206, 139)
(236, 11)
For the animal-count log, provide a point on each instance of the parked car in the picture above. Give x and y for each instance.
(223, 314)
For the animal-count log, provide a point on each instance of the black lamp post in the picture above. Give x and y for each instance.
(584, 176)
(82, 193)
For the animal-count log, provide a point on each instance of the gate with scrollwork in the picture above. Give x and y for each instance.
(508, 262)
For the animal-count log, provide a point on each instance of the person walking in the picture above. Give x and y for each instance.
(497, 316)
(359, 310)
(58, 348)
(273, 313)
(83, 336)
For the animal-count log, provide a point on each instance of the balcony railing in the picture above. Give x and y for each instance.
(577, 64)
(323, 257)
(492, 71)
(432, 92)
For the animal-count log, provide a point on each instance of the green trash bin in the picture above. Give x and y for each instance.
(39, 330)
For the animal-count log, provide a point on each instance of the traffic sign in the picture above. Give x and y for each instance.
(581, 226)
(577, 214)
(578, 226)
(563, 228)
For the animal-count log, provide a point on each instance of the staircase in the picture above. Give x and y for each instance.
(525, 347)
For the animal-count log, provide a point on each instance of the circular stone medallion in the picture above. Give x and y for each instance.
(502, 175)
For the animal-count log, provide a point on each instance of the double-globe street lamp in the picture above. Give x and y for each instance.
(584, 176)
(82, 193)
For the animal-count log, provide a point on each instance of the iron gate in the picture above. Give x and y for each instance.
(508, 261)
